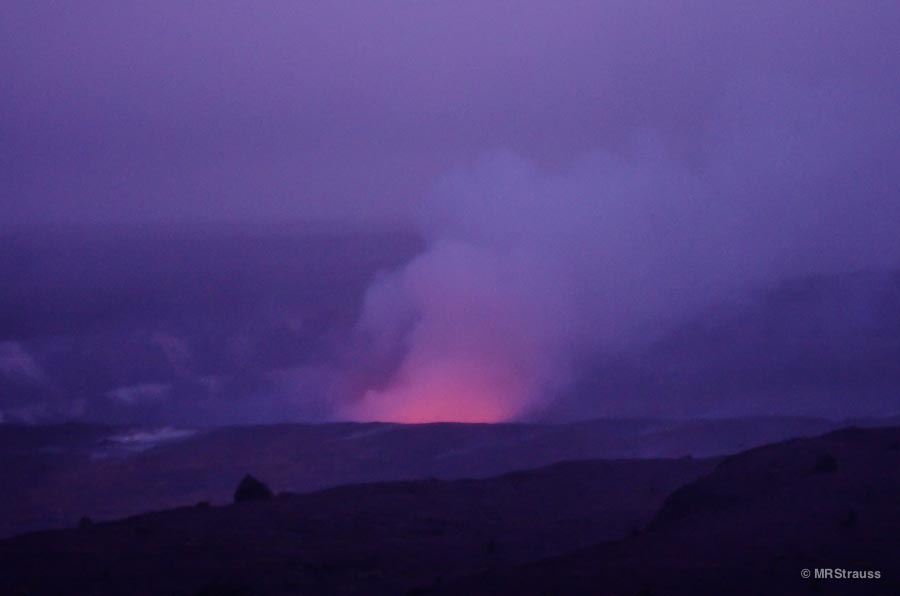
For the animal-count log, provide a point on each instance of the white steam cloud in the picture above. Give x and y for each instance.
(529, 270)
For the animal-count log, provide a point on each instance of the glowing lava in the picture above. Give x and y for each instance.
(480, 341)
(443, 393)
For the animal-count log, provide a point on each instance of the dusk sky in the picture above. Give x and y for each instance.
(449, 297)
(227, 110)
(581, 175)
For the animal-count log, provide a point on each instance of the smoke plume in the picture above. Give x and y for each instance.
(529, 271)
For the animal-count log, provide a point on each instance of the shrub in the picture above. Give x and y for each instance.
(251, 489)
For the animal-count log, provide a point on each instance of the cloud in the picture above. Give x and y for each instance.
(529, 271)
(583, 175)
(141, 440)
(143, 393)
(16, 362)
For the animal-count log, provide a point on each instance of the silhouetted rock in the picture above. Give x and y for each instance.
(251, 489)
(85, 522)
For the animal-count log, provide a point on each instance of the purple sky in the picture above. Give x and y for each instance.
(582, 173)
(231, 110)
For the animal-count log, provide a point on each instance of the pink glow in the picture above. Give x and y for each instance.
(479, 340)
(444, 392)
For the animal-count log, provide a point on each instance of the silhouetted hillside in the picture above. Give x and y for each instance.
(749, 527)
(365, 539)
(53, 477)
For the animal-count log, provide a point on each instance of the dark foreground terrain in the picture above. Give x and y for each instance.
(747, 524)
(365, 539)
(54, 475)
(750, 527)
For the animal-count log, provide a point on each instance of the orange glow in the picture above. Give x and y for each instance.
(447, 394)
(433, 407)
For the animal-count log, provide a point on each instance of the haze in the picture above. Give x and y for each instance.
(433, 211)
